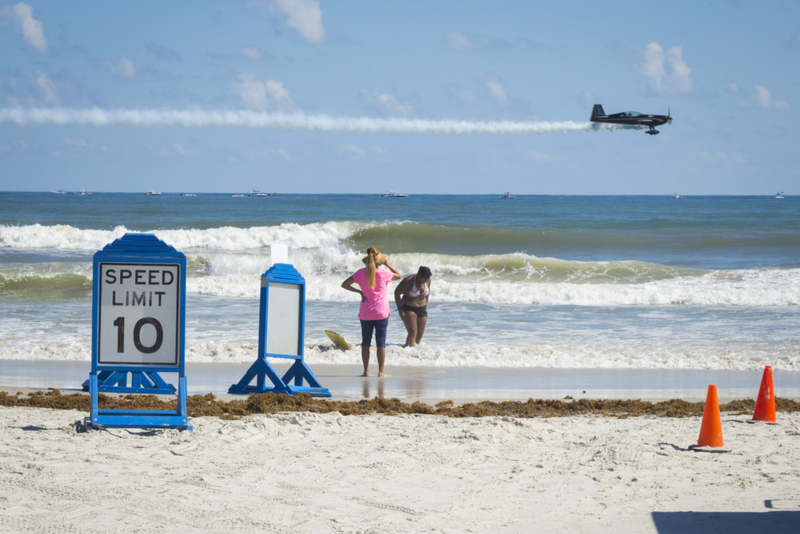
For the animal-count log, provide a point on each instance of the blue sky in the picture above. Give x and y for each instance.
(727, 70)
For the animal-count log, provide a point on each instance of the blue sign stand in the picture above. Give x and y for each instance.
(141, 382)
(281, 334)
(138, 328)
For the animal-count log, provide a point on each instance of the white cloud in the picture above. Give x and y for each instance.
(258, 95)
(304, 16)
(124, 68)
(539, 156)
(350, 147)
(376, 148)
(762, 98)
(732, 87)
(459, 41)
(677, 81)
(74, 142)
(169, 151)
(46, 86)
(388, 103)
(252, 52)
(251, 91)
(496, 89)
(283, 153)
(279, 95)
(32, 29)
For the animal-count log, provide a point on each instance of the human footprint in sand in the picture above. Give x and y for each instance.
(411, 296)
(374, 312)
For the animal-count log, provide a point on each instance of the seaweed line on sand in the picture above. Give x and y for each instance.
(209, 405)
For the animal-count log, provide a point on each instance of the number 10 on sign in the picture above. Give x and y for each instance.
(139, 314)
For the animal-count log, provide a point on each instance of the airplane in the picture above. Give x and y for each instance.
(631, 118)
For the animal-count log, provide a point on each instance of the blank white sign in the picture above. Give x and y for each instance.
(279, 253)
(283, 319)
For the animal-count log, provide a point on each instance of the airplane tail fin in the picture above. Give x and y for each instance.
(597, 111)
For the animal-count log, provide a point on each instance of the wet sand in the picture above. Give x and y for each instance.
(460, 384)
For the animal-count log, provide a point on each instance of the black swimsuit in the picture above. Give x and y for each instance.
(421, 311)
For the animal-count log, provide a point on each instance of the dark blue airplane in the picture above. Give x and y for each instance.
(631, 118)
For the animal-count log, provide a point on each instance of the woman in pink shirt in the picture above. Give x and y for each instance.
(374, 312)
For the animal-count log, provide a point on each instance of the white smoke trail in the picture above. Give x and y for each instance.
(286, 121)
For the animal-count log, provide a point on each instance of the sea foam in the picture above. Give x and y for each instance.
(227, 262)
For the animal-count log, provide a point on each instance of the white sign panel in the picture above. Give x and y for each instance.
(279, 253)
(283, 319)
(139, 315)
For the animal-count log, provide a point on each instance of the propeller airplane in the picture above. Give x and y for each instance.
(631, 118)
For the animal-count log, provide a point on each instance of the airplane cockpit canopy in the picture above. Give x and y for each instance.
(632, 113)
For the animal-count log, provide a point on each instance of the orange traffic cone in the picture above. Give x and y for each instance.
(711, 429)
(765, 403)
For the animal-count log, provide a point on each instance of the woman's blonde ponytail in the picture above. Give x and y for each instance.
(372, 254)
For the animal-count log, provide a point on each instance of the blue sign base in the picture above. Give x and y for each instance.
(177, 418)
(147, 382)
(261, 370)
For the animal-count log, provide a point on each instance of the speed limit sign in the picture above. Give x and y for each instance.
(139, 313)
(138, 331)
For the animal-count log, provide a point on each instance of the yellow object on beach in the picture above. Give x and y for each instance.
(338, 341)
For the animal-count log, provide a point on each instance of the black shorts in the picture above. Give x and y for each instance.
(421, 311)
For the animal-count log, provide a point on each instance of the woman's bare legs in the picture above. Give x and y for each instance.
(365, 359)
(410, 322)
(381, 359)
(421, 322)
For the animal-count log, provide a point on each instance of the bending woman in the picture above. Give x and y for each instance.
(374, 312)
(411, 297)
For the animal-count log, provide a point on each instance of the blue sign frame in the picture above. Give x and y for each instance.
(260, 370)
(147, 250)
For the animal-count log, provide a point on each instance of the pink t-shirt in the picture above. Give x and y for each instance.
(376, 306)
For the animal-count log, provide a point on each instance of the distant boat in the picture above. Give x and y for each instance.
(257, 193)
(59, 192)
(779, 195)
(82, 193)
(152, 193)
(188, 195)
(394, 194)
(276, 194)
(676, 195)
(237, 195)
(507, 195)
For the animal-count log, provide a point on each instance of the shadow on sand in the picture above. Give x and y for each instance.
(772, 522)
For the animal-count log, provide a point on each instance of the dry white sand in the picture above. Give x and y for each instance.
(329, 473)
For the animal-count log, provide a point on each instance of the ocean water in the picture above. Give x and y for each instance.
(538, 281)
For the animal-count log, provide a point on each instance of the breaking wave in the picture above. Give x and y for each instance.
(227, 262)
(559, 356)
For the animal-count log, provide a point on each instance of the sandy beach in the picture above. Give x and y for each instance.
(332, 473)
